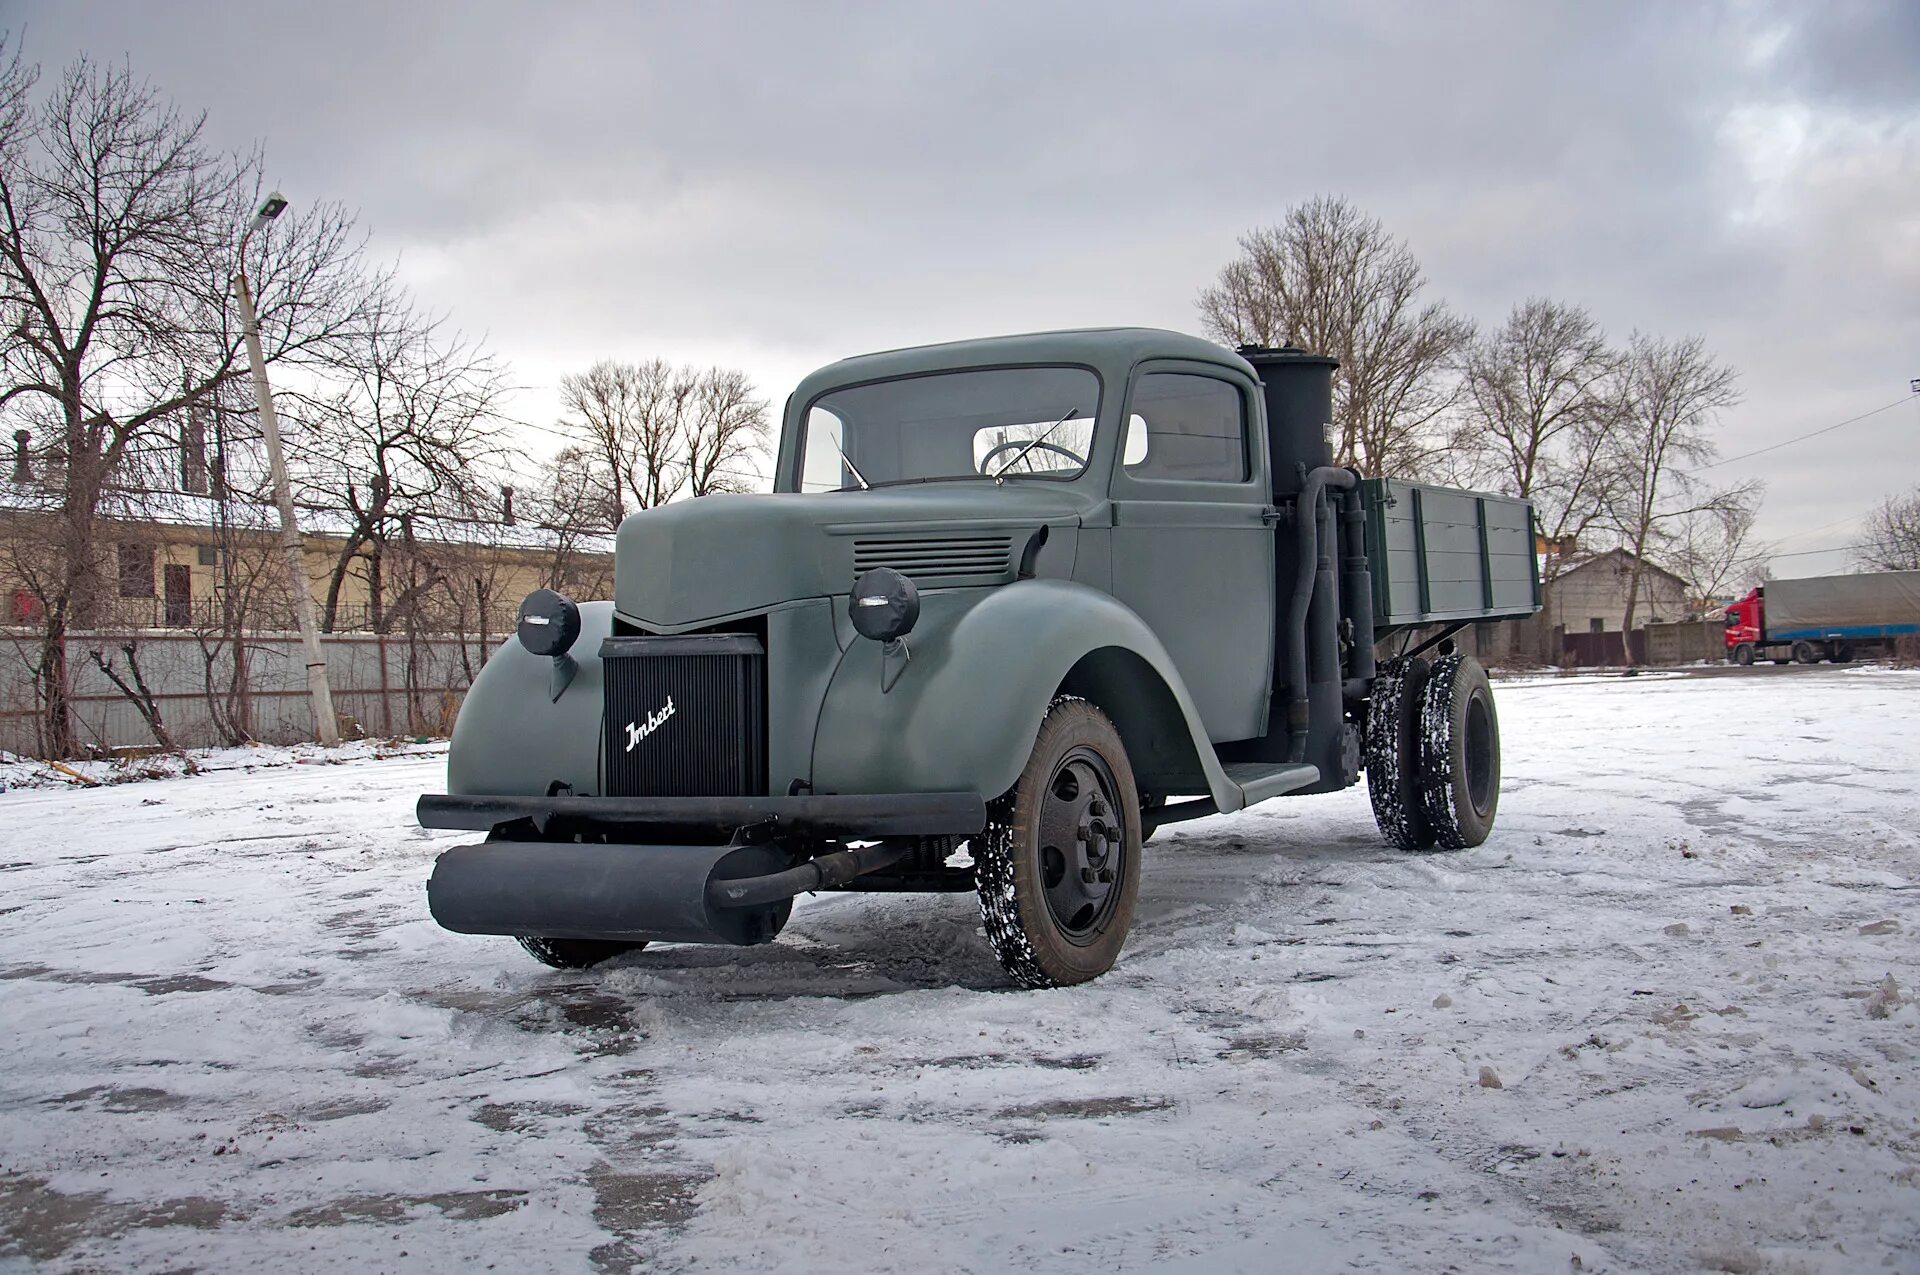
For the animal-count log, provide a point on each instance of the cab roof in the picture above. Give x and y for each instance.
(1112, 352)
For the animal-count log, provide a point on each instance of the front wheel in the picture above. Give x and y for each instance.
(1150, 808)
(1743, 654)
(1058, 864)
(575, 954)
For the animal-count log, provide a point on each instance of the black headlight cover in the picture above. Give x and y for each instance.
(549, 623)
(885, 605)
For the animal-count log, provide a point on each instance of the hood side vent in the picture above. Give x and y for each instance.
(933, 562)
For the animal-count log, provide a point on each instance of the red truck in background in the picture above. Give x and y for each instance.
(1823, 618)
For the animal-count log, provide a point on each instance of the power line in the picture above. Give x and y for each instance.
(1800, 438)
(1825, 526)
(1808, 553)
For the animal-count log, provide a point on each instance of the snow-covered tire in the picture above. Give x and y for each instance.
(1047, 928)
(1393, 753)
(1459, 753)
(575, 954)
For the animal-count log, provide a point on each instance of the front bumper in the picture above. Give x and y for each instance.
(857, 815)
(629, 880)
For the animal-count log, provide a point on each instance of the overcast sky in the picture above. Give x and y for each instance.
(775, 186)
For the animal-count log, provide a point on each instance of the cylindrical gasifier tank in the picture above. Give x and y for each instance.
(1297, 390)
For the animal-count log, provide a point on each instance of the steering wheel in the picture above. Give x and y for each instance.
(1014, 445)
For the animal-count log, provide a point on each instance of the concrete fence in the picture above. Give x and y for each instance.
(1686, 643)
(383, 684)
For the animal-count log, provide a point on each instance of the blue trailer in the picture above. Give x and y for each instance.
(1824, 617)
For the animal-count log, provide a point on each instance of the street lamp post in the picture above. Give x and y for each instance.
(326, 725)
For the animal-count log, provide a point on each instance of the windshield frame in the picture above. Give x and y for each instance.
(1096, 420)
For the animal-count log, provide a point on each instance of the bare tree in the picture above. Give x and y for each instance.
(1529, 388)
(1713, 548)
(1890, 538)
(119, 228)
(408, 429)
(728, 426)
(1535, 415)
(1331, 279)
(654, 431)
(1670, 395)
(133, 685)
(572, 506)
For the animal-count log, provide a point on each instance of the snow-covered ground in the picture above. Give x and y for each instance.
(1663, 1020)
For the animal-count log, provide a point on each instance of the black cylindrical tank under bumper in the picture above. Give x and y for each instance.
(583, 890)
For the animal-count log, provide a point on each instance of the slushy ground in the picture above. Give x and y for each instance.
(1663, 1020)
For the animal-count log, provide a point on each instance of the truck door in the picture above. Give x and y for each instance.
(1192, 551)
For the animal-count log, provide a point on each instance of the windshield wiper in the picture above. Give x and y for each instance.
(1000, 474)
(855, 469)
(929, 478)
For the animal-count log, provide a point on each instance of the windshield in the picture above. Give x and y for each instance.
(1015, 422)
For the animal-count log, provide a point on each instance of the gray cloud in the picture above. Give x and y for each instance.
(775, 186)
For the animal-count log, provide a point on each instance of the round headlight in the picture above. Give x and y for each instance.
(885, 605)
(549, 623)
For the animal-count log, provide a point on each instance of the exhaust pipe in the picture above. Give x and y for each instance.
(582, 890)
(738, 894)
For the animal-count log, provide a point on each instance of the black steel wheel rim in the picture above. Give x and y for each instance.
(1479, 754)
(1082, 838)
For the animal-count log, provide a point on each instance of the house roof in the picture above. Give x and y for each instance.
(175, 509)
(1614, 555)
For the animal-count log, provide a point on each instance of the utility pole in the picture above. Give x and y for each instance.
(326, 725)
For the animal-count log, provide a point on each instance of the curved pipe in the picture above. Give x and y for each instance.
(824, 873)
(1356, 585)
(1306, 531)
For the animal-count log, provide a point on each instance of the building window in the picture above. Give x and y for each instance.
(209, 556)
(1596, 625)
(193, 454)
(136, 571)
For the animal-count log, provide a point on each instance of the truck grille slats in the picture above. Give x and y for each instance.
(937, 560)
(685, 716)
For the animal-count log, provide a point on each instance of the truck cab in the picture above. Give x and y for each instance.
(1011, 604)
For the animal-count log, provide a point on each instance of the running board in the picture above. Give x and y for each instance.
(1259, 780)
(1255, 780)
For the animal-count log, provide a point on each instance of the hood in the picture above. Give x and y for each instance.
(697, 561)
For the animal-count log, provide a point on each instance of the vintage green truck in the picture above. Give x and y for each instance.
(1012, 605)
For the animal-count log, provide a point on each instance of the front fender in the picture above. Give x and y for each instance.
(513, 739)
(985, 666)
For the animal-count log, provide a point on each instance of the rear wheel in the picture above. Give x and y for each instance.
(1393, 753)
(1058, 865)
(575, 954)
(1804, 653)
(1743, 654)
(1459, 739)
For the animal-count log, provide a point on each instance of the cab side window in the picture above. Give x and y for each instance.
(1186, 428)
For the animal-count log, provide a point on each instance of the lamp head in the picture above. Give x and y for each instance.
(272, 207)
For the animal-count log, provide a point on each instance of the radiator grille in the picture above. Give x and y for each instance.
(931, 561)
(685, 716)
